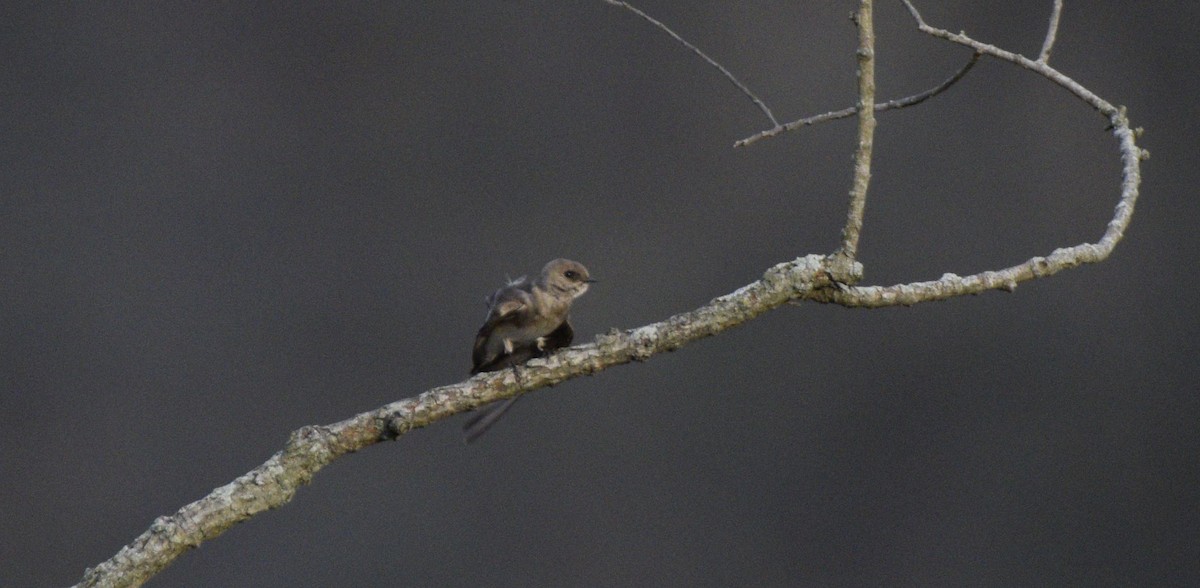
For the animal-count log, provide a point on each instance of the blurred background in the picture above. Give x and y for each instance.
(222, 221)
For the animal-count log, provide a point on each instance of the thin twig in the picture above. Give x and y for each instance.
(309, 449)
(729, 75)
(866, 130)
(1101, 105)
(849, 112)
(1051, 32)
(1007, 279)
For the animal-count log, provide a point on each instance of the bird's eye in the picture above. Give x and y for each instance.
(570, 274)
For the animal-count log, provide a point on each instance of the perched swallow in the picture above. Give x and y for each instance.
(525, 319)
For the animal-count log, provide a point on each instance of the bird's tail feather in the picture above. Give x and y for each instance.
(480, 423)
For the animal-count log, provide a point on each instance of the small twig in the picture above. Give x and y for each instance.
(866, 130)
(849, 112)
(1051, 32)
(309, 449)
(1062, 258)
(1043, 69)
(729, 75)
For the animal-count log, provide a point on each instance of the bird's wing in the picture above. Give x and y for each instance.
(505, 307)
(559, 337)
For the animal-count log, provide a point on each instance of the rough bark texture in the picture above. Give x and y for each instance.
(814, 277)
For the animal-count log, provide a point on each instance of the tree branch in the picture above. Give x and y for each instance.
(309, 449)
(728, 74)
(1051, 32)
(866, 130)
(1041, 68)
(848, 112)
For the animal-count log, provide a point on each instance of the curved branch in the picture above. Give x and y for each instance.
(309, 449)
(813, 277)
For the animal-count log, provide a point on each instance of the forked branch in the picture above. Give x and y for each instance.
(309, 449)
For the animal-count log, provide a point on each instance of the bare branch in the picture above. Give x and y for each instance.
(1060, 259)
(729, 75)
(866, 130)
(1043, 69)
(848, 112)
(1051, 32)
(309, 449)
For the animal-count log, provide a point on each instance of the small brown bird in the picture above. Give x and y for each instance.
(525, 320)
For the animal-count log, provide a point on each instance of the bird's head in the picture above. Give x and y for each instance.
(566, 276)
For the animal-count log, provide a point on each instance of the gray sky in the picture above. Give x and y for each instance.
(221, 222)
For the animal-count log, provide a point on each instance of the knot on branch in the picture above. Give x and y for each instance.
(609, 339)
(176, 530)
(842, 269)
(311, 447)
(397, 425)
(1040, 267)
(304, 437)
(799, 271)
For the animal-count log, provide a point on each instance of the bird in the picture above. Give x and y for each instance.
(525, 319)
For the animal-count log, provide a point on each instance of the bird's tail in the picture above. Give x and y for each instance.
(480, 423)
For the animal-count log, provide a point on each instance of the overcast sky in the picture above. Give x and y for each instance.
(220, 222)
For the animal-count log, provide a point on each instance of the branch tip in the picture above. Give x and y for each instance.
(1051, 32)
(273, 483)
